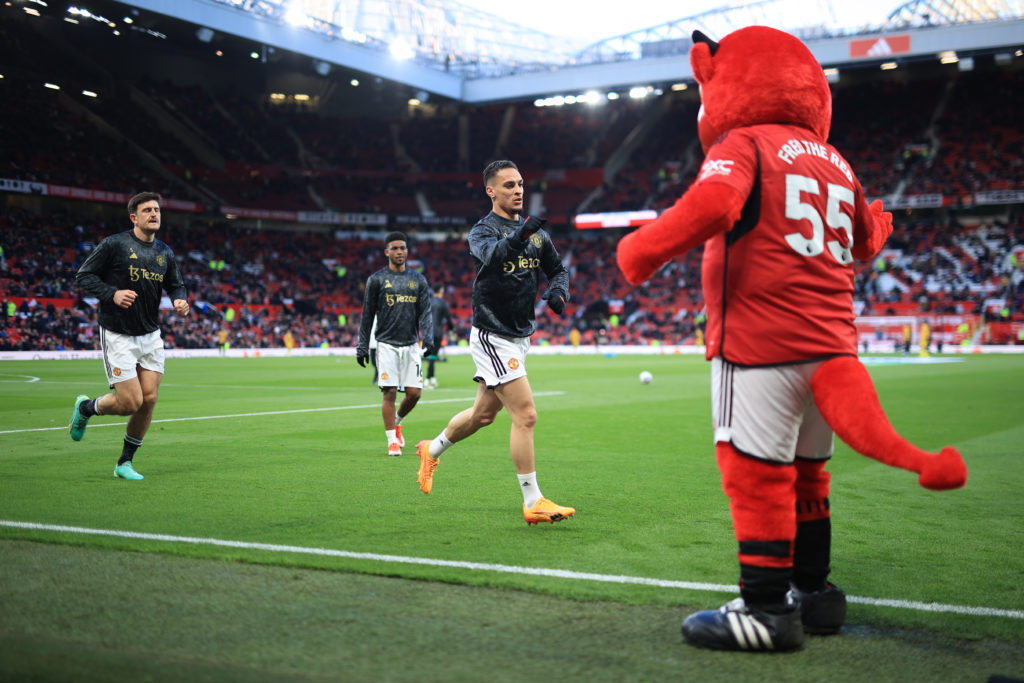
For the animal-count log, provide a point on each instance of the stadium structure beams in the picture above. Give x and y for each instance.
(806, 18)
(843, 52)
(923, 13)
(270, 28)
(809, 20)
(463, 54)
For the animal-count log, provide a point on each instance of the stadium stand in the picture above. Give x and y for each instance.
(932, 141)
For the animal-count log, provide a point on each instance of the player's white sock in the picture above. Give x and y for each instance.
(531, 491)
(392, 435)
(398, 419)
(439, 445)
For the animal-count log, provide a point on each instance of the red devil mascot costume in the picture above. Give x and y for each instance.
(782, 217)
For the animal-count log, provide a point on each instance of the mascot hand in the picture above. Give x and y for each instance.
(635, 261)
(870, 234)
(705, 210)
(944, 471)
(882, 218)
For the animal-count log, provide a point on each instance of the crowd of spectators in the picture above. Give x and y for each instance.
(956, 133)
(954, 136)
(311, 283)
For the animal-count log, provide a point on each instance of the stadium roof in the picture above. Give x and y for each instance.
(454, 50)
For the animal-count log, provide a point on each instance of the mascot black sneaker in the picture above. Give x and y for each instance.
(735, 626)
(823, 611)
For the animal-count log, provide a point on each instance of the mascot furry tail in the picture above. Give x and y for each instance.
(846, 398)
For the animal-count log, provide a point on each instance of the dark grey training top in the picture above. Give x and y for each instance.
(508, 275)
(123, 261)
(401, 303)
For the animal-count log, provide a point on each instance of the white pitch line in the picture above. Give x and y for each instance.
(501, 568)
(269, 412)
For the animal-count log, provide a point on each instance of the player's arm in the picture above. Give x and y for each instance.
(557, 294)
(174, 285)
(486, 245)
(490, 248)
(448, 319)
(90, 275)
(369, 313)
(426, 318)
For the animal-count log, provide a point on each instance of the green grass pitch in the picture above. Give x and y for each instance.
(278, 456)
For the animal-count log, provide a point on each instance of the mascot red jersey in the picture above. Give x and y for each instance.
(782, 217)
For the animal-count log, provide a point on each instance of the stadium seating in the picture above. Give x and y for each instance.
(280, 280)
(226, 146)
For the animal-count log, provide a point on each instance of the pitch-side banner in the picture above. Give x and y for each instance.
(553, 349)
(914, 201)
(1000, 197)
(615, 219)
(328, 217)
(105, 196)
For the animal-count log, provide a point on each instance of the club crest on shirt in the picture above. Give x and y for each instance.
(536, 240)
(513, 363)
(160, 259)
(117, 372)
(412, 284)
(384, 376)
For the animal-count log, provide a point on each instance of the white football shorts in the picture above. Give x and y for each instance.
(769, 412)
(399, 366)
(499, 360)
(122, 352)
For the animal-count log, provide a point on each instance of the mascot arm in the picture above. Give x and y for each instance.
(705, 210)
(872, 229)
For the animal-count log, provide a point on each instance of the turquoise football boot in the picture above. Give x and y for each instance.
(126, 471)
(78, 421)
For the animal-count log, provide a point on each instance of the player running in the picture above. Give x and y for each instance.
(128, 273)
(509, 253)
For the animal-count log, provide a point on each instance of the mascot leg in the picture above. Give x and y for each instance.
(846, 398)
(822, 605)
(762, 499)
(813, 549)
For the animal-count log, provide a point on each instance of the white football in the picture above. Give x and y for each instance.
(646, 377)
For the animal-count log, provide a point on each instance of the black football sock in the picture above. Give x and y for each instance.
(131, 444)
(765, 587)
(88, 408)
(811, 554)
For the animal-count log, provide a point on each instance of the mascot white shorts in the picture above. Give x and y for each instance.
(768, 412)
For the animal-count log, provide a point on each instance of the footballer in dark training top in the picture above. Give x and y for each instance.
(123, 261)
